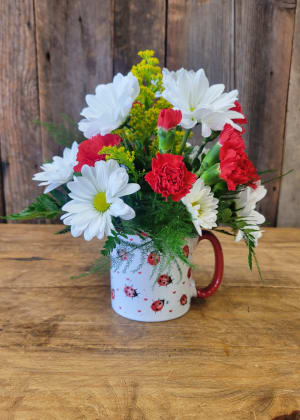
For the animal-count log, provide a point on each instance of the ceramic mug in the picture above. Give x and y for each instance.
(145, 286)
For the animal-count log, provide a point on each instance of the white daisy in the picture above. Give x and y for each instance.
(245, 204)
(202, 205)
(96, 198)
(110, 106)
(60, 171)
(190, 92)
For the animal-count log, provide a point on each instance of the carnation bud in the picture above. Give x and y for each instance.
(168, 119)
(211, 158)
(212, 175)
(166, 139)
(167, 122)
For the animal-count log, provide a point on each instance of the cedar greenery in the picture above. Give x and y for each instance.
(63, 134)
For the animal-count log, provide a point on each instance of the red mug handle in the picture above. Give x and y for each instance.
(219, 266)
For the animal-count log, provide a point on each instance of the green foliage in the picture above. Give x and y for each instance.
(43, 206)
(67, 229)
(111, 242)
(167, 223)
(225, 211)
(63, 134)
(250, 242)
(60, 196)
(277, 177)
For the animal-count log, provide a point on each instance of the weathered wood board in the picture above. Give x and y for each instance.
(55, 52)
(289, 202)
(263, 47)
(65, 354)
(75, 54)
(138, 25)
(20, 139)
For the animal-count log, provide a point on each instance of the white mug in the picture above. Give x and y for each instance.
(146, 287)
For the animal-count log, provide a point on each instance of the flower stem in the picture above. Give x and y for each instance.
(184, 140)
(206, 140)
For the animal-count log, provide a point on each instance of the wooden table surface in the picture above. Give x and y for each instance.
(64, 354)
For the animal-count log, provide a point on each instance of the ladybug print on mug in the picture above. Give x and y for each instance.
(130, 291)
(157, 305)
(164, 280)
(153, 258)
(183, 300)
(123, 254)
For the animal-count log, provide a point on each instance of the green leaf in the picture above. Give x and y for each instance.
(111, 242)
(277, 177)
(223, 231)
(65, 230)
(227, 213)
(43, 206)
(61, 197)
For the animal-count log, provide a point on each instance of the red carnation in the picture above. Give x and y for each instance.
(169, 176)
(235, 166)
(88, 149)
(238, 108)
(234, 136)
(169, 118)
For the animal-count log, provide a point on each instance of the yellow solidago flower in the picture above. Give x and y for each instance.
(140, 130)
(119, 154)
(149, 76)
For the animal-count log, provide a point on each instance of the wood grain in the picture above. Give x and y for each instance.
(138, 25)
(2, 195)
(55, 52)
(21, 150)
(200, 35)
(65, 354)
(263, 46)
(74, 50)
(289, 202)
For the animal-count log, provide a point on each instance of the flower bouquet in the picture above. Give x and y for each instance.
(138, 181)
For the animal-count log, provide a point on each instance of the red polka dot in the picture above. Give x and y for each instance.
(146, 299)
(128, 279)
(120, 307)
(189, 273)
(139, 272)
(171, 310)
(183, 282)
(186, 251)
(139, 310)
(131, 239)
(174, 292)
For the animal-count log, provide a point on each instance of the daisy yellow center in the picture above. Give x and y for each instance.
(200, 210)
(100, 202)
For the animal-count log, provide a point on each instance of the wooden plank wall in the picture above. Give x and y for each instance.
(54, 52)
